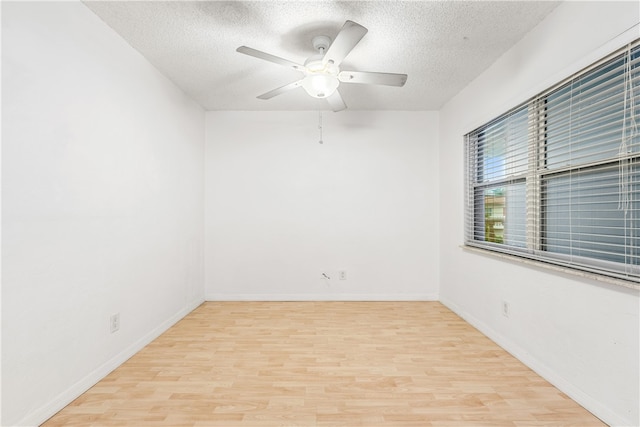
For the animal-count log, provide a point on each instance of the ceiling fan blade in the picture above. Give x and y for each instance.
(348, 37)
(335, 101)
(365, 77)
(280, 90)
(268, 57)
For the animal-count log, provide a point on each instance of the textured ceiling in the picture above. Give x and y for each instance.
(441, 45)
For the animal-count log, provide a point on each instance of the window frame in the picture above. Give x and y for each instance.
(536, 176)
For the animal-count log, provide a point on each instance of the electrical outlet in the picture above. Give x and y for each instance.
(342, 275)
(114, 322)
(505, 309)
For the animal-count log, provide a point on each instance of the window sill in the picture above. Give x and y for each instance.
(571, 271)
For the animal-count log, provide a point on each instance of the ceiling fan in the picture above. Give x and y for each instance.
(322, 74)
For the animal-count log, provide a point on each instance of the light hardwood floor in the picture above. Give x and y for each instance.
(323, 364)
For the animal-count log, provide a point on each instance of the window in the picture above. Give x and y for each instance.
(557, 179)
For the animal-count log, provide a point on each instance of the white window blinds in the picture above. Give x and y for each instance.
(557, 179)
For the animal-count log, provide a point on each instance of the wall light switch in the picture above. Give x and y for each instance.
(114, 322)
(505, 309)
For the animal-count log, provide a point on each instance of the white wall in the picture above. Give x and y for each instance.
(581, 335)
(282, 208)
(102, 194)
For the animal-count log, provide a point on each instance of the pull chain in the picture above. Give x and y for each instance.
(320, 126)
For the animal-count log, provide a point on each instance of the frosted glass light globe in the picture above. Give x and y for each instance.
(320, 80)
(320, 85)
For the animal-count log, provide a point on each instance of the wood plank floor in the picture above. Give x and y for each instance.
(323, 364)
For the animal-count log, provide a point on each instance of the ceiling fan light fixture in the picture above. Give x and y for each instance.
(321, 80)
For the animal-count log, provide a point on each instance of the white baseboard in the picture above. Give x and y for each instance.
(46, 411)
(321, 297)
(590, 404)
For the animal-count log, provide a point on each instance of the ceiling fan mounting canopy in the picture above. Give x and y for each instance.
(321, 43)
(322, 74)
